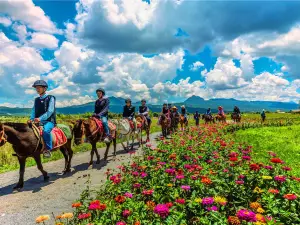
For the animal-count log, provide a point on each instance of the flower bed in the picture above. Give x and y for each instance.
(196, 178)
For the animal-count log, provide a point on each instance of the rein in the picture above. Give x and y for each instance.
(36, 131)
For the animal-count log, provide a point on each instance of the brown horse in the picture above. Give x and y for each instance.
(26, 144)
(208, 118)
(236, 117)
(174, 122)
(221, 118)
(165, 125)
(145, 126)
(183, 122)
(78, 132)
(94, 135)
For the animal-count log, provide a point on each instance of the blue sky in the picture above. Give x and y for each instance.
(149, 49)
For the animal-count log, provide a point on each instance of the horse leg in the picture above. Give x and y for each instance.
(97, 154)
(105, 154)
(37, 158)
(115, 146)
(148, 134)
(20, 184)
(70, 153)
(65, 154)
(92, 153)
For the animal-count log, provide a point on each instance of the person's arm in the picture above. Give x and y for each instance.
(147, 112)
(133, 112)
(50, 111)
(105, 109)
(32, 115)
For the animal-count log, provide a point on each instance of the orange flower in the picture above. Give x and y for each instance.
(172, 156)
(255, 205)
(273, 191)
(233, 220)
(76, 205)
(260, 218)
(67, 216)
(58, 217)
(120, 199)
(290, 196)
(150, 205)
(206, 180)
(41, 219)
(137, 223)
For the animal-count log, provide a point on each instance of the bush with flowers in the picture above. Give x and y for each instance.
(197, 177)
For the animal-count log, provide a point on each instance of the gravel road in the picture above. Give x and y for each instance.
(40, 198)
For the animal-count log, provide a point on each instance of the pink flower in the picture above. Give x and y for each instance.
(280, 178)
(121, 223)
(239, 182)
(137, 185)
(246, 215)
(208, 201)
(269, 167)
(179, 177)
(186, 187)
(148, 192)
(126, 213)
(213, 208)
(170, 171)
(128, 195)
(246, 157)
(286, 168)
(143, 174)
(162, 210)
(135, 173)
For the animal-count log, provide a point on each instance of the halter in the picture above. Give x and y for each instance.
(2, 138)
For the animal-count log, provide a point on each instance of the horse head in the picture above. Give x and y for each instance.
(78, 131)
(3, 136)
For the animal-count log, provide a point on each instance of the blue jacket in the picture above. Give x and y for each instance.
(49, 112)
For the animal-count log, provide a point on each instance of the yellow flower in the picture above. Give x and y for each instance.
(259, 223)
(258, 190)
(59, 223)
(260, 210)
(42, 218)
(67, 216)
(255, 205)
(198, 200)
(170, 185)
(220, 200)
(266, 177)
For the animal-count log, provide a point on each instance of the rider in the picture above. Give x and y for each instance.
(44, 113)
(236, 110)
(144, 111)
(221, 111)
(208, 112)
(129, 112)
(263, 114)
(166, 111)
(101, 112)
(174, 113)
(183, 112)
(197, 117)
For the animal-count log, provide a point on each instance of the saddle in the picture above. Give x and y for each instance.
(100, 128)
(138, 125)
(59, 138)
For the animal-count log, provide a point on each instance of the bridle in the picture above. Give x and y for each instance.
(2, 138)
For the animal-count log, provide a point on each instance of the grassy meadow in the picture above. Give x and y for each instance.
(269, 136)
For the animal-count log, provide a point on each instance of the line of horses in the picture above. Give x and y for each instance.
(221, 118)
(26, 143)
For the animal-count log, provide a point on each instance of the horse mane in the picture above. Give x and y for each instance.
(20, 127)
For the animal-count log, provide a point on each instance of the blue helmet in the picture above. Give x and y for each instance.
(143, 100)
(101, 90)
(41, 83)
(128, 100)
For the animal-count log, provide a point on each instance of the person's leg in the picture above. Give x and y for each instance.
(134, 123)
(48, 138)
(105, 125)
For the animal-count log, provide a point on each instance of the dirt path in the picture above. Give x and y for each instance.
(40, 198)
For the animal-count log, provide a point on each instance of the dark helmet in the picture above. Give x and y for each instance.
(41, 83)
(143, 100)
(128, 100)
(165, 104)
(100, 90)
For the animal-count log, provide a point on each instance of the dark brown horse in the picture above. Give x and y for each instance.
(26, 144)
(221, 118)
(165, 125)
(93, 135)
(145, 126)
(174, 122)
(236, 117)
(208, 118)
(78, 132)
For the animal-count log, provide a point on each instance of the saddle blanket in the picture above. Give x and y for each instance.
(58, 137)
(112, 127)
(138, 125)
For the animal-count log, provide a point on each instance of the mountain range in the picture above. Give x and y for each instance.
(193, 103)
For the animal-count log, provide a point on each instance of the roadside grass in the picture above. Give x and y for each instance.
(284, 141)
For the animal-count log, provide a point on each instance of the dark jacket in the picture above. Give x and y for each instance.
(41, 107)
(144, 110)
(102, 107)
(236, 110)
(128, 111)
(183, 111)
(196, 116)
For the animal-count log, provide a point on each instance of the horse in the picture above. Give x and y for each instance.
(263, 118)
(174, 123)
(220, 118)
(78, 132)
(165, 125)
(126, 132)
(208, 118)
(236, 117)
(183, 122)
(95, 134)
(27, 142)
(145, 126)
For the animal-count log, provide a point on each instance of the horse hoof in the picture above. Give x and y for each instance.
(98, 161)
(46, 178)
(18, 186)
(90, 164)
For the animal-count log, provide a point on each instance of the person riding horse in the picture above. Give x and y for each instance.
(129, 112)
(221, 111)
(197, 118)
(263, 115)
(174, 113)
(183, 112)
(165, 111)
(144, 111)
(236, 111)
(101, 112)
(208, 112)
(44, 113)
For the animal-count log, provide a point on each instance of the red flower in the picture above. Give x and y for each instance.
(276, 160)
(254, 167)
(180, 201)
(169, 204)
(233, 159)
(120, 199)
(83, 216)
(273, 191)
(290, 197)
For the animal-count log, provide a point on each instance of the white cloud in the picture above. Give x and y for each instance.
(42, 40)
(21, 32)
(29, 14)
(74, 101)
(196, 66)
(28, 81)
(5, 21)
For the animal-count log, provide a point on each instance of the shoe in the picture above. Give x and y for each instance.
(136, 132)
(107, 140)
(47, 154)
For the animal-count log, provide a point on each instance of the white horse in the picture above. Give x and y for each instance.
(125, 133)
